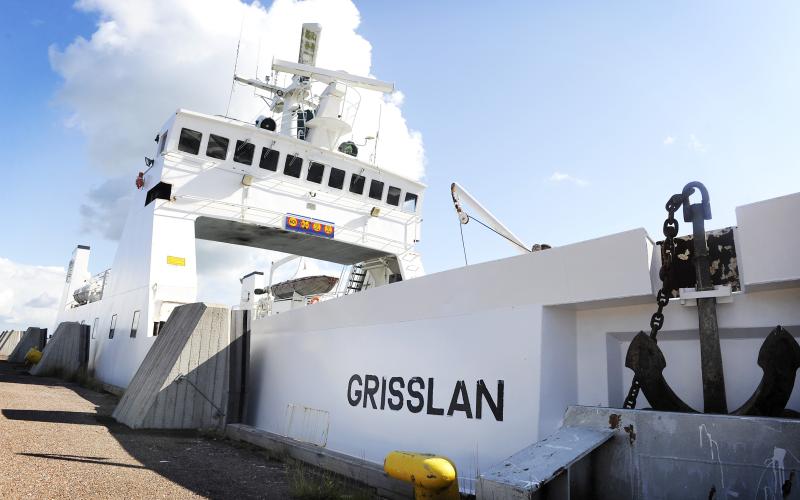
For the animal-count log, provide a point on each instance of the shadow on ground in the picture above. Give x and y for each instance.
(202, 463)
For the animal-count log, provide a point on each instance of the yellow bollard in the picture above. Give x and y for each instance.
(33, 356)
(432, 476)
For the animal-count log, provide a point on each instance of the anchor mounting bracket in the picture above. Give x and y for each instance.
(689, 296)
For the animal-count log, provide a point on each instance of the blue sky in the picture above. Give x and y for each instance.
(567, 120)
(506, 96)
(44, 169)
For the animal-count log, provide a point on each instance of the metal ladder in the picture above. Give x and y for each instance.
(356, 280)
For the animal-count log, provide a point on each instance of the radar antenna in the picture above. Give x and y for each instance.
(321, 124)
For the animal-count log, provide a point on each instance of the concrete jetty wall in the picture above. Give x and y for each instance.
(8, 341)
(33, 337)
(66, 353)
(183, 381)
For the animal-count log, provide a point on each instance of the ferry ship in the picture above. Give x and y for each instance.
(475, 363)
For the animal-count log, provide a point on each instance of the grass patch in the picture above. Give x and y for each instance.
(310, 483)
(85, 380)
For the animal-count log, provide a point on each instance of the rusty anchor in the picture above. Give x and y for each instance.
(779, 356)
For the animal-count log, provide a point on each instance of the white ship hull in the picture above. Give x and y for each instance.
(547, 329)
(553, 326)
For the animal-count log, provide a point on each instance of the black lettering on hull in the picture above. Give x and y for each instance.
(495, 406)
(460, 394)
(416, 395)
(432, 410)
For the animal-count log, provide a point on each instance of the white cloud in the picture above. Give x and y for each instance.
(696, 145)
(562, 177)
(397, 98)
(148, 58)
(669, 140)
(28, 294)
(106, 207)
(45, 300)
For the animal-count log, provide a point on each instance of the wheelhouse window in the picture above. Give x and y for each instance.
(162, 143)
(293, 166)
(244, 152)
(217, 146)
(393, 196)
(113, 326)
(269, 159)
(410, 203)
(357, 184)
(135, 324)
(336, 179)
(315, 172)
(376, 190)
(94, 327)
(189, 141)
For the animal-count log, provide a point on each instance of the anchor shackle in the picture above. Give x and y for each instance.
(704, 205)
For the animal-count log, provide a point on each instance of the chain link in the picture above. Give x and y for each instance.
(665, 274)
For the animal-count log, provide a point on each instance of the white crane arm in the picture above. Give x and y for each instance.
(460, 195)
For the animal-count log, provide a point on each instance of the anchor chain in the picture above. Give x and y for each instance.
(665, 274)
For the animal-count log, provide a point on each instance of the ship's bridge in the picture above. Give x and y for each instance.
(250, 186)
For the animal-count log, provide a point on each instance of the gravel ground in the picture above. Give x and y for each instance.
(57, 440)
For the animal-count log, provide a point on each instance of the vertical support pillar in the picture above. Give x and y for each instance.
(238, 366)
(42, 341)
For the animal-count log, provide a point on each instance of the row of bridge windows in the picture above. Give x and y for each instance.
(245, 151)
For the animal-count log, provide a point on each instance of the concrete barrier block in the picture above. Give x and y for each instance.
(8, 341)
(183, 381)
(33, 337)
(66, 352)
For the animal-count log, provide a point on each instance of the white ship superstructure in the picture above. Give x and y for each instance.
(297, 189)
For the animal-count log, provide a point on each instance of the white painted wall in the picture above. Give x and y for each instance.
(465, 347)
(140, 280)
(769, 234)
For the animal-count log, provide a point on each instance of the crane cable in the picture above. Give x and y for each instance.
(463, 246)
(471, 217)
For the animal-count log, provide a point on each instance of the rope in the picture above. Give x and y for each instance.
(463, 246)
(494, 231)
(182, 378)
